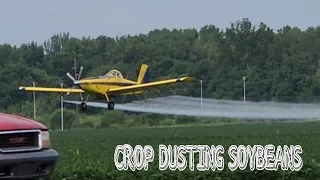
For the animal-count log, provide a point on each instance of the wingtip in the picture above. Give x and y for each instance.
(185, 79)
(22, 88)
(188, 79)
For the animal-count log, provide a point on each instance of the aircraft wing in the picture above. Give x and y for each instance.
(55, 90)
(139, 87)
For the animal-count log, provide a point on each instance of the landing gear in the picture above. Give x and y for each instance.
(110, 105)
(83, 107)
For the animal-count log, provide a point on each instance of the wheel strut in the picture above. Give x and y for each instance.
(110, 103)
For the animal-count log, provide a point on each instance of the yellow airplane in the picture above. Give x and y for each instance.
(109, 85)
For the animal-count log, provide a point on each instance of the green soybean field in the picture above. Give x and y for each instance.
(89, 154)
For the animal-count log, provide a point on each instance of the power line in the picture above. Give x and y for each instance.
(201, 93)
(34, 101)
(244, 88)
(61, 108)
(76, 77)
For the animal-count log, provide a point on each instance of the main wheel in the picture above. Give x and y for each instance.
(83, 106)
(111, 105)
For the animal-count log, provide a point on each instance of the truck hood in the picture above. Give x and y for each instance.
(9, 122)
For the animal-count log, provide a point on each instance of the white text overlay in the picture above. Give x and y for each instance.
(213, 157)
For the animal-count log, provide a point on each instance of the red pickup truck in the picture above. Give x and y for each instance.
(25, 150)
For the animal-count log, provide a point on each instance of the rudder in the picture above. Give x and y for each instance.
(143, 74)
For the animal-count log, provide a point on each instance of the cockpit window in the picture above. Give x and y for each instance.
(113, 73)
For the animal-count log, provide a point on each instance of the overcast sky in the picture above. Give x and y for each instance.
(37, 20)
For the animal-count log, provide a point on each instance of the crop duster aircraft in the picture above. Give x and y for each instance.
(109, 85)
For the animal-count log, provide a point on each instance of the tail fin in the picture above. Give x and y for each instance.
(143, 74)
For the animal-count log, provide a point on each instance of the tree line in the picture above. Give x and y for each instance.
(279, 65)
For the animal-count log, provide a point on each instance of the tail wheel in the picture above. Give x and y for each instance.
(111, 105)
(83, 106)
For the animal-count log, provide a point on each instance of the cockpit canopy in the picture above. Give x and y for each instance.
(113, 74)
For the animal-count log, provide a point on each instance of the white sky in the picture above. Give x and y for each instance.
(38, 20)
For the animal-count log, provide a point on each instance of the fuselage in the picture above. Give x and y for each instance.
(101, 85)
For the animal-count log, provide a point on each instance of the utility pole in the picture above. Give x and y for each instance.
(61, 108)
(34, 101)
(201, 92)
(76, 77)
(244, 88)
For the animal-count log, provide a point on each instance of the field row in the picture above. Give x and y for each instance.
(89, 154)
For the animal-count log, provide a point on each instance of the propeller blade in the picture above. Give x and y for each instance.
(70, 90)
(71, 77)
(80, 72)
(75, 82)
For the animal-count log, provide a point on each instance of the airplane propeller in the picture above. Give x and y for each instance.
(76, 82)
